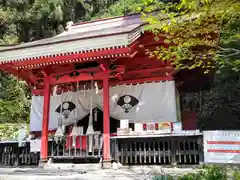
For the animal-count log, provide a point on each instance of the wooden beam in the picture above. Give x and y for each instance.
(149, 70)
(105, 66)
(106, 122)
(73, 58)
(20, 74)
(142, 80)
(88, 76)
(45, 120)
(84, 70)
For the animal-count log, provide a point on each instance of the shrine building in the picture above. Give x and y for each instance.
(96, 80)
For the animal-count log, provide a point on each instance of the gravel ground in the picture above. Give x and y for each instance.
(89, 172)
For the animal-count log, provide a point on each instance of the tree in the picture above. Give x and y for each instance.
(119, 8)
(24, 21)
(195, 31)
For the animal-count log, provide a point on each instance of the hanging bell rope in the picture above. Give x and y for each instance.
(90, 129)
(84, 91)
(76, 115)
(60, 129)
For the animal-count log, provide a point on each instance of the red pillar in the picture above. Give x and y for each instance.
(106, 123)
(45, 120)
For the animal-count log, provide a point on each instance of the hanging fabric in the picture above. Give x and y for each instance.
(95, 114)
(84, 90)
(76, 131)
(55, 90)
(60, 129)
(90, 130)
(96, 86)
(142, 103)
(95, 109)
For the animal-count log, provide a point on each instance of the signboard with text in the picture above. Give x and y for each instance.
(221, 147)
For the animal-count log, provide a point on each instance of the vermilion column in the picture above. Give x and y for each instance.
(45, 120)
(106, 122)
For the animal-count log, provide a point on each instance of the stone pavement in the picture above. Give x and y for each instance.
(88, 172)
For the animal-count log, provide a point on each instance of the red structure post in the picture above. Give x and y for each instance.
(45, 120)
(106, 125)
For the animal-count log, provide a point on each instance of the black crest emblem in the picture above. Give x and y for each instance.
(66, 108)
(127, 102)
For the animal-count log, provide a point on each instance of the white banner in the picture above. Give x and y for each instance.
(150, 102)
(221, 147)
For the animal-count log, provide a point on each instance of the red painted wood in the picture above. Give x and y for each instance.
(146, 71)
(224, 142)
(21, 74)
(69, 142)
(84, 70)
(74, 57)
(189, 120)
(46, 108)
(40, 92)
(224, 151)
(106, 121)
(142, 80)
(87, 76)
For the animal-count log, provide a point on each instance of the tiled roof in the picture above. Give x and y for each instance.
(93, 36)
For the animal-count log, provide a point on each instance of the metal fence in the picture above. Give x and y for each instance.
(127, 150)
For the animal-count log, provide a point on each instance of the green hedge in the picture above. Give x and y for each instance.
(207, 173)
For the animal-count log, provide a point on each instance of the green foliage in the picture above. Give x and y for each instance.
(163, 177)
(193, 30)
(236, 175)
(120, 8)
(219, 103)
(14, 100)
(210, 173)
(22, 21)
(10, 130)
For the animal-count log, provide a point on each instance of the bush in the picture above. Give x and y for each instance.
(163, 177)
(209, 173)
(236, 175)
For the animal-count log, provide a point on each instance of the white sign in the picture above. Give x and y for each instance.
(221, 146)
(177, 127)
(35, 145)
(124, 123)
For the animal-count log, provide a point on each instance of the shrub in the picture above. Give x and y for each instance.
(163, 177)
(209, 173)
(236, 175)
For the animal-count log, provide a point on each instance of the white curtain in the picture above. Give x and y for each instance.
(150, 102)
